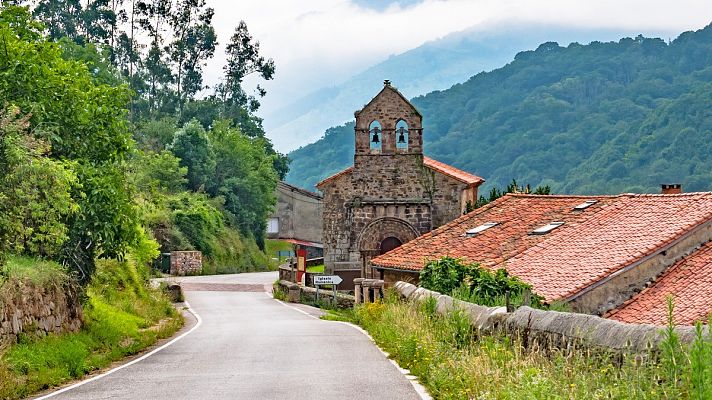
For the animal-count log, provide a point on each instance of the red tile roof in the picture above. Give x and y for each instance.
(435, 165)
(452, 172)
(591, 245)
(336, 175)
(689, 281)
(517, 215)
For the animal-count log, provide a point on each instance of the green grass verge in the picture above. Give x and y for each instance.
(271, 249)
(316, 269)
(122, 316)
(455, 364)
(40, 272)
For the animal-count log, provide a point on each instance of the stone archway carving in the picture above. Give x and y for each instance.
(370, 238)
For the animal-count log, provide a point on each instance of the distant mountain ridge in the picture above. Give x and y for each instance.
(611, 117)
(435, 65)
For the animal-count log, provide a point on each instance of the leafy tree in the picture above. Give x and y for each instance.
(194, 42)
(35, 191)
(83, 122)
(157, 173)
(192, 146)
(243, 59)
(245, 178)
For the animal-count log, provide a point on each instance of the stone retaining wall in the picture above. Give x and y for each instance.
(186, 262)
(309, 293)
(551, 329)
(30, 309)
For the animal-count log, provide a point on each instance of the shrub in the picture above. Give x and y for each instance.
(471, 282)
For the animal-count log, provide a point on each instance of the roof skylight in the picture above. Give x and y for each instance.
(474, 231)
(543, 230)
(586, 204)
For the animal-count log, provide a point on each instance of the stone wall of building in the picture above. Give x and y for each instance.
(186, 262)
(298, 214)
(619, 287)
(31, 309)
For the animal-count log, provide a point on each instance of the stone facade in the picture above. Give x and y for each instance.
(393, 193)
(297, 215)
(186, 262)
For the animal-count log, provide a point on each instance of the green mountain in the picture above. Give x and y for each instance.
(599, 118)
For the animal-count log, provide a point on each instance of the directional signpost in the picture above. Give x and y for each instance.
(332, 280)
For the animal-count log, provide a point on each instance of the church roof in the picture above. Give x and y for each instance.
(387, 86)
(435, 165)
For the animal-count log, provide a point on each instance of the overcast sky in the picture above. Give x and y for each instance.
(317, 43)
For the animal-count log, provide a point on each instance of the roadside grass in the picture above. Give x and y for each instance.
(37, 271)
(316, 269)
(277, 291)
(122, 316)
(272, 247)
(453, 363)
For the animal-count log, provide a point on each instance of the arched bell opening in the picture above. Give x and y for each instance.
(402, 135)
(375, 131)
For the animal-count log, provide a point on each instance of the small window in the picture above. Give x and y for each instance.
(402, 135)
(273, 225)
(474, 231)
(375, 132)
(586, 204)
(546, 228)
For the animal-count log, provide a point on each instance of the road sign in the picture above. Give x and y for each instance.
(327, 280)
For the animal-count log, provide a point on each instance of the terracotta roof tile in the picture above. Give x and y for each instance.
(689, 281)
(452, 172)
(591, 245)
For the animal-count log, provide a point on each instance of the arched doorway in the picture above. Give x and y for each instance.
(389, 244)
(381, 235)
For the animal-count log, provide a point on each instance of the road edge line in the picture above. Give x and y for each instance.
(417, 386)
(132, 362)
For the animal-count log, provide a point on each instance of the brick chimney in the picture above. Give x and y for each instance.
(671, 188)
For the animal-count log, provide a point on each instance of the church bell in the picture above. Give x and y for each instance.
(401, 137)
(375, 136)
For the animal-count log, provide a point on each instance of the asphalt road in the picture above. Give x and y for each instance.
(249, 346)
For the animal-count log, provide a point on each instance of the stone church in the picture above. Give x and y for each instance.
(393, 193)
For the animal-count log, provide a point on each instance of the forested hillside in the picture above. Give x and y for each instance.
(599, 118)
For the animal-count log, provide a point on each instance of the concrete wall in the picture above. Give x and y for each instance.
(299, 213)
(619, 287)
(36, 310)
(550, 329)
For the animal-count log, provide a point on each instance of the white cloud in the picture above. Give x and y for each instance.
(318, 43)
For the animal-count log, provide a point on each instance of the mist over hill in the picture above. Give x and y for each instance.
(433, 66)
(607, 117)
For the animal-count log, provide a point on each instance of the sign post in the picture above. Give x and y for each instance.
(301, 264)
(332, 280)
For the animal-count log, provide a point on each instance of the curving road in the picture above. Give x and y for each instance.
(250, 346)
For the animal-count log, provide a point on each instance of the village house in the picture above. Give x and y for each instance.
(615, 256)
(393, 193)
(297, 219)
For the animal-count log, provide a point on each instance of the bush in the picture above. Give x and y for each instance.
(473, 283)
